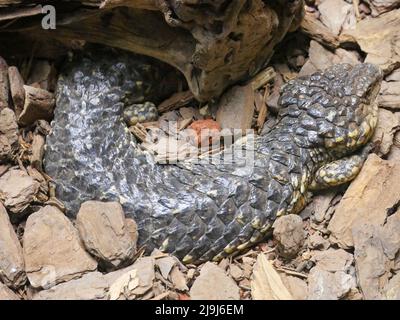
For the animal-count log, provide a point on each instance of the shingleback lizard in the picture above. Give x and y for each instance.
(202, 211)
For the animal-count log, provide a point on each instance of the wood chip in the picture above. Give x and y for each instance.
(17, 89)
(176, 101)
(262, 78)
(39, 104)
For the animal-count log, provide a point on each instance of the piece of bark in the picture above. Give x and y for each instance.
(37, 151)
(4, 84)
(368, 199)
(176, 101)
(12, 268)
(17, 89)
(311, 26)
(39, 104)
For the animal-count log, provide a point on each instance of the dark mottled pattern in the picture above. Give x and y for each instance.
(202, 211)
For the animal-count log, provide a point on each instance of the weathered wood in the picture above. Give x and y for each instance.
(37, 151)
(17, 89)
(213, 43)
(4, 84)
(39, 104)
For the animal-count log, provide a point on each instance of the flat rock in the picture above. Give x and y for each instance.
(289, 233)
(52, 249)
(96, 286)
(17, 190)
(11, 258)
(91, 286)
(236, 108)
(6, 293)
(366, 200)
(372, 265)
(214, 284)
(333, 260)
(105, 233)
(388, 123)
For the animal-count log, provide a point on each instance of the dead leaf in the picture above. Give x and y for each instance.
(266, 284)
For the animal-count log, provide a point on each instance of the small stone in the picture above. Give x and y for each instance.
(214, 284)
(316, 241)
(236, 272)
(52, 249)
(103, 230)
(6, 293)
(289, 233)
(12, 270)
(17, 190)
(206, 131)
(333, 260)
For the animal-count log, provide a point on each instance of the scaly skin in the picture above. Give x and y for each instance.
(203, 211)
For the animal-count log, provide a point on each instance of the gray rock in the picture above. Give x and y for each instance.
(52, 249)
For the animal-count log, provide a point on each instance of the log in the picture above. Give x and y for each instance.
(214, 43)
(39, 104)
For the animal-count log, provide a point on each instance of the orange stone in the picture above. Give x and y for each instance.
(207, 131)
